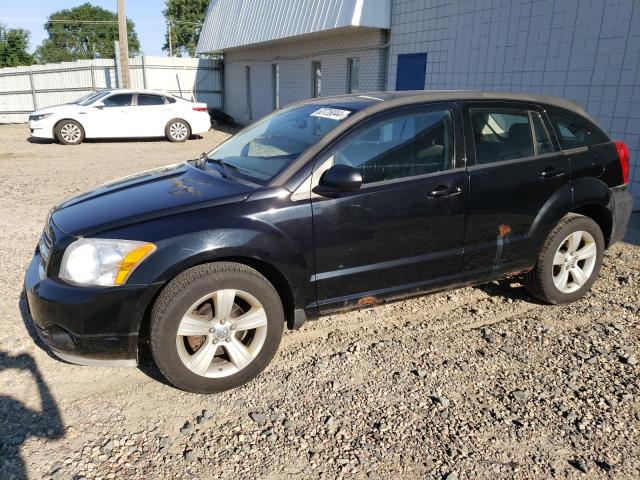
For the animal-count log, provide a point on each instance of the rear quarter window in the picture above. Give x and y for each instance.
(572, 132)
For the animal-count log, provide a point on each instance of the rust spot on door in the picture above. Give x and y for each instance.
(365, 301)
(503, 230)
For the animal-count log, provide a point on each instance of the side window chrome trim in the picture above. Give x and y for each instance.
(410, 179)
(573, 151)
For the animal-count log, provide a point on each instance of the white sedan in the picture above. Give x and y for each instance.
(121, 114)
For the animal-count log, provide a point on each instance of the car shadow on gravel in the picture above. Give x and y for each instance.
(18, 422)
(508, 288)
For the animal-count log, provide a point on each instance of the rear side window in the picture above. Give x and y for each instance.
(571, 134)
(170, 99)
(501, 135)
(406, 145)
(120, 100)
(145, 100)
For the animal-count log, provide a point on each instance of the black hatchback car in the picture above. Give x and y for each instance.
(327, 205)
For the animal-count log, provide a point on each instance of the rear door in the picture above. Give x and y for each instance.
(514, 168)
(150, 115)
(403, 229)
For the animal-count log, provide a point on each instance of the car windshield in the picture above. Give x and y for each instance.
(267, 147)
(90, 98)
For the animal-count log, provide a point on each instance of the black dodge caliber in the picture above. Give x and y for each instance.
(326, 205)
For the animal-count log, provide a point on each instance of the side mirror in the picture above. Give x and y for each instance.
(99, 105)
(339, 179)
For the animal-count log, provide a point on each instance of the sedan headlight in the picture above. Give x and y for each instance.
(41, 116)
(97, 261)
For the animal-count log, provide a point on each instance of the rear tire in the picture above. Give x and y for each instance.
(569, 261)
(177, 130)
(69, 132)
(215, 327)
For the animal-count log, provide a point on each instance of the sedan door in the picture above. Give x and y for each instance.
(514, 169)
(112, 120)
(150, 115)
(403, 230)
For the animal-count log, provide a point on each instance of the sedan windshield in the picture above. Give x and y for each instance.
(90, 98)
(267, 147)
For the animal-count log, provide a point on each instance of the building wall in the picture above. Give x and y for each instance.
(295, 57)
(586, 51)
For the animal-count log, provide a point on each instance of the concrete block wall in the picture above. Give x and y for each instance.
(295, 57)
(584, 50)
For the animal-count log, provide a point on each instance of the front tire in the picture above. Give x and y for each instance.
(177, 130)
(569, 261)
(69, 132)
(215, 327)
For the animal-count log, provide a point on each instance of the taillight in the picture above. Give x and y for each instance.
(623, 156)
(199, 109)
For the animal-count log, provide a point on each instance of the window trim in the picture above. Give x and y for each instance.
(525, 107)
(458, 162)
(534, 137)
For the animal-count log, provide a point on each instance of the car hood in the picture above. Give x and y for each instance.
(61, 109)
(145, 196)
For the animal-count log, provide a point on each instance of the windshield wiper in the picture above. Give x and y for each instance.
(221, 162)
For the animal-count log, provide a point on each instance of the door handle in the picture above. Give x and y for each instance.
(443, 191)
(552, 172)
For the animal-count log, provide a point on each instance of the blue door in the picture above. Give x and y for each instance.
(411, 71)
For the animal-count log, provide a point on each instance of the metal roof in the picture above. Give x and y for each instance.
(237, 23)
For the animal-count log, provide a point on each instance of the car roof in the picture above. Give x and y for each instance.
(362, 101)
(136, 90)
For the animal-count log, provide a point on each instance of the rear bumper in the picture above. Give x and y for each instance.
(87, 326)
(620, 205)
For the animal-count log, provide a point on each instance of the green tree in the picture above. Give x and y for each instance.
(14, 47)
(83, 32)
(185, 18)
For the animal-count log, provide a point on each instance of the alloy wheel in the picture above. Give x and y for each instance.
(178, 131)
(70, 133)
(221, 333)
(574, 261)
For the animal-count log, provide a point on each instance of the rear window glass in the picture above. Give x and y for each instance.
(501, 135)
(146, 100)
(571, 134)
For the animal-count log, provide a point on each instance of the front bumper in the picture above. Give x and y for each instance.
(87, 325)
(620, 206)
(42, 129)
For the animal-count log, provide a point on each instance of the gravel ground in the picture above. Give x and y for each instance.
(481, 382)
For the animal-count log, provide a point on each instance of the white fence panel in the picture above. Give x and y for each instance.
(25, 89)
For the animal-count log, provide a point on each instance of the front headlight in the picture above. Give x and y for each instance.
(41, 116)
(97, 261)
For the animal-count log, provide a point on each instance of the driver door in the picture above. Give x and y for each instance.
(403, 230)
(113, 120)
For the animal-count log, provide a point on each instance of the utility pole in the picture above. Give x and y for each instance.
(124, 45)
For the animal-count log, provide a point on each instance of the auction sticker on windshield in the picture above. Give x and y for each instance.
(331, 113)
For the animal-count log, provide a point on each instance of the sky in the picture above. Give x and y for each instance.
(32, 14)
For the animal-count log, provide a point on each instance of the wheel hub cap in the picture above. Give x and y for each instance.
(221, 331)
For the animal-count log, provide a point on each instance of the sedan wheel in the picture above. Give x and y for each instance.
(221, 333)
(215, 326)
(178, 130)
(69, 133)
